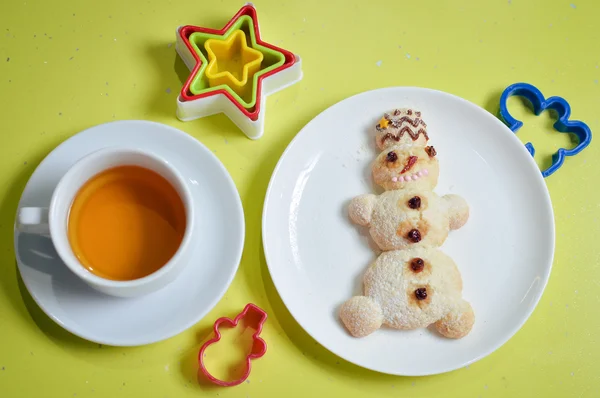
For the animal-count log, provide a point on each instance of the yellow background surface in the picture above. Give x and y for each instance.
(68, 65)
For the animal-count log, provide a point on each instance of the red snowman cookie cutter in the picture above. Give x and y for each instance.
(255, 318)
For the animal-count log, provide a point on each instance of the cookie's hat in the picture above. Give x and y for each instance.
(401, 127)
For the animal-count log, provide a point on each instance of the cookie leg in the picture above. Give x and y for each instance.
(458, 322)
(458, 210)
(361, 315)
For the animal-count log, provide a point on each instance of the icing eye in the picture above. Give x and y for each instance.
(409, 164)
(430, 151)
(391, 157)
(414, 202)
(421, 293)
(414, 235)
(417, 264)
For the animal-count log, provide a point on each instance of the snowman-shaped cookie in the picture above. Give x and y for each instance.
(412, 284)
(405, 159)
(406, 166)
(409, 218)
(410, 289)
(409, 214)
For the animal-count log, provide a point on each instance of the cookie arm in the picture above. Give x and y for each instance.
(360, 209)
(361, 315)
(458, 322)
(458, 210)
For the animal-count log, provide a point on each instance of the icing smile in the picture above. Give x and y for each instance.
(413, 177)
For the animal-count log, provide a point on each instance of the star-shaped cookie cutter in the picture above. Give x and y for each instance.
(250, 120)
(562, 124)
(226, 51)
(255, 318)
(199, 83)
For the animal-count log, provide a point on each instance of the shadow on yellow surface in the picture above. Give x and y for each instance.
(50, 328)
(182, 71)
(492, 105)
(164, 60)
(8, 210)
(189, 361)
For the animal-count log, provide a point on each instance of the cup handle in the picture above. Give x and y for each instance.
(33, 220)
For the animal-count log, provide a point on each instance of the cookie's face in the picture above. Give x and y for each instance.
(401, 167)
(401, 127)
(409, 218)
(414, 288)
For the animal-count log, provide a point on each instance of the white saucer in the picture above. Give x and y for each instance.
(129, 322)
(317, 257)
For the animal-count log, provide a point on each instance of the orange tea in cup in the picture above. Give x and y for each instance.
(126, 223)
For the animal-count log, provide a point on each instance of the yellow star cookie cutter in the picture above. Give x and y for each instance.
(232, 62)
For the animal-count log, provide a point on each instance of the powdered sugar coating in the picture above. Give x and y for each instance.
(390, 283)
(389, 175)
(412, 284)
(458, 210)
(361, 315)
(392, 218)
(360, 209)
(458, 322)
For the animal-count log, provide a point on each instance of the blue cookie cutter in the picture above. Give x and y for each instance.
(563, 124)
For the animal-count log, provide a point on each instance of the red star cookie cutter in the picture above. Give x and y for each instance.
(250, 121)
(255, 318)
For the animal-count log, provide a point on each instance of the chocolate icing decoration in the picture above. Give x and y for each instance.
(405, 119)
(396, 137)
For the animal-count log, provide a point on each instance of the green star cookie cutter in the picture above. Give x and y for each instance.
(271, 60)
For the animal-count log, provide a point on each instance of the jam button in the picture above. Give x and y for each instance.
(430, 151)
(414, 235)
(417, 264)
(414, 202)
(391, 157)
(421, 293)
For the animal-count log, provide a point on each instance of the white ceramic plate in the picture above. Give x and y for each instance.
(128, 322)
(317, 257)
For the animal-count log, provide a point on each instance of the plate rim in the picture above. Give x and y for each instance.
(547, 200)
(238, 248)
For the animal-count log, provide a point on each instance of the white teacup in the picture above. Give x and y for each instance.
(53, 221)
